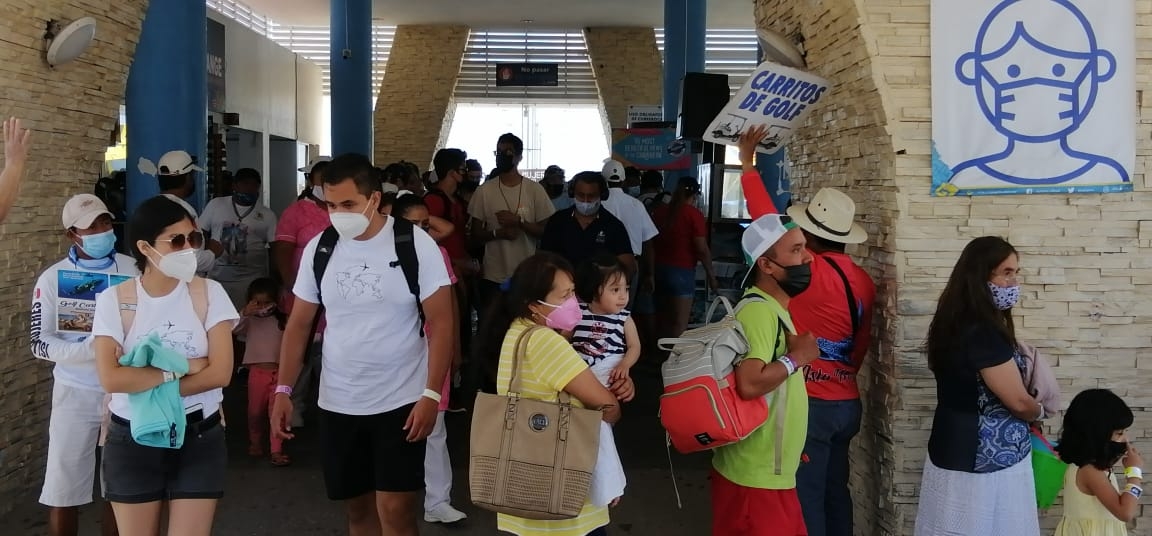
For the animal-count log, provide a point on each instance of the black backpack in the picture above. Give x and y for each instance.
(406, 259)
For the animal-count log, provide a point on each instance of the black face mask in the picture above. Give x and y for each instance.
(1116, 450)
(505, 162)
(797, 279)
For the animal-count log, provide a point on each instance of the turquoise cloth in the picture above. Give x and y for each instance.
(158, 413)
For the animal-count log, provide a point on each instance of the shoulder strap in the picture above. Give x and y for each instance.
(408, 261)
(198, 290)
(126, 296)
(853, 311)
(323, 254)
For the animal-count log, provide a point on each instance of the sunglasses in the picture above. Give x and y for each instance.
(195, 239)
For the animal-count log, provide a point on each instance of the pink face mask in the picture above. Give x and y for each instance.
(565, 316)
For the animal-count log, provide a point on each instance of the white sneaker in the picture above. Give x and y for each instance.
(444, 513)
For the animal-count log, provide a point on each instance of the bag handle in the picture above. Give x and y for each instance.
(720, 300)
(516, 383)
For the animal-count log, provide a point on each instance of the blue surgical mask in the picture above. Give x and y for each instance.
(587, 208)
(245, 199)
(99, 245)
(634, 191)
(1004, 297)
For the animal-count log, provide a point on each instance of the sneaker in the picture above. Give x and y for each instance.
(444, 513)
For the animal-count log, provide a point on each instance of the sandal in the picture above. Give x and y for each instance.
(255, 451)
(279, 459)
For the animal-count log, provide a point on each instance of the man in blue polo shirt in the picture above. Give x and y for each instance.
(587, 230)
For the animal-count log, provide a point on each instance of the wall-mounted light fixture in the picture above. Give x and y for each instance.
(68, 42)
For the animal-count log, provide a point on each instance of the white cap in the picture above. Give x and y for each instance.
(390, 188)
(82, 210)
(176, 163)
(313, 162)
(613, 171)
(763, 233)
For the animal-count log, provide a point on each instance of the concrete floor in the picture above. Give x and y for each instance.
(264, 500)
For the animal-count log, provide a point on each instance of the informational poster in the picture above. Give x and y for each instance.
(1033, 96)
(76, 298)
(653, 113)
(775, 96)
(650, 148)
(217, 87)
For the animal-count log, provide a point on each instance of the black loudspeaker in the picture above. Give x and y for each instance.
(702, 97)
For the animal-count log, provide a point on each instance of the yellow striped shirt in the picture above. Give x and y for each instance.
(550, 364)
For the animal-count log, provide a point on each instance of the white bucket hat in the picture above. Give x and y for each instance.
(831, 215)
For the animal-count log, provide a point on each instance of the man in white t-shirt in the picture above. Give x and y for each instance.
(636, 220)
(380, 386)
(176, 174)
(244, 227)
(61, 328)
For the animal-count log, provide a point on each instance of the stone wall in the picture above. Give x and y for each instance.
(414, 108)
(628, 70)
(72, 110)
(1085, 257)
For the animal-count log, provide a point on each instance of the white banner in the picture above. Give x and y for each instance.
(775, 96)
(1033, 96)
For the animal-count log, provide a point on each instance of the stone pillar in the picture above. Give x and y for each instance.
(351, 60)
(167, 95)
(626, 62)
(414, 107)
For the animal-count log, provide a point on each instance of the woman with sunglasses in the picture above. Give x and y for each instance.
(170, 306)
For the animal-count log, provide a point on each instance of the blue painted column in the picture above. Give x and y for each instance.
(166, 100)
(351, 60)
(685, 28)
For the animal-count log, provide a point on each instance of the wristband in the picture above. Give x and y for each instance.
(285, 389)
(788, 364)
(169, 376)
(1134, 490)
(1134, 472)
(431, 394)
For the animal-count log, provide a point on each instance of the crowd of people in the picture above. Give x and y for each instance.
(394, 295)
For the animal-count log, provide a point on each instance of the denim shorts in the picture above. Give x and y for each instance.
(675, 282)
(134, 473)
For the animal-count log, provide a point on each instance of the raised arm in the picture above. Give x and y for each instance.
(17, 141)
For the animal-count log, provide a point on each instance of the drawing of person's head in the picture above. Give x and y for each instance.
(1035, 80)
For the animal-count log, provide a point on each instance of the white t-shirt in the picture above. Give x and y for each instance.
(374, 358)
(174, 320)
(636, 220)
(245, 233)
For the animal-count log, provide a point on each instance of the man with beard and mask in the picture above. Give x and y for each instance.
(508, 217)
(754, 480)
(176, 174)
(245, 227)
(553, 183)
(65, 339)
(587, 230)
(301, 222)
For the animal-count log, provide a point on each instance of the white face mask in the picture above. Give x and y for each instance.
(318, 192)
(350, 224)
(177, 265)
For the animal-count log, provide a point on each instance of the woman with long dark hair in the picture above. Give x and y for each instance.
(682, 242)
(978, 475)
(188, 323)
(541, 292)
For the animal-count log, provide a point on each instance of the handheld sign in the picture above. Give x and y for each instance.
(776, 96)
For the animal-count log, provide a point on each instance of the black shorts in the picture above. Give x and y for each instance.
(366, 453)
(133, 473)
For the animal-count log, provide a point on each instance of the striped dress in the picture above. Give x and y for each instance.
(599, 339)
(548, 367)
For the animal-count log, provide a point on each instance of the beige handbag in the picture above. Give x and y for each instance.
(531, 458)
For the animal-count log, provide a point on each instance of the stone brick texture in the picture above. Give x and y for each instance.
(628, 69)
(414, 108)
(1085, 257)
(72, 110)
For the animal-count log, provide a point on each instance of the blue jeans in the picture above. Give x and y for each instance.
(822, 480)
